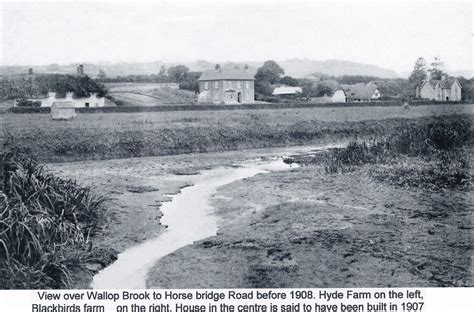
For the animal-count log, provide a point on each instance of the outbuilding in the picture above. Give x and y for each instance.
(287, 92)
(63, 110)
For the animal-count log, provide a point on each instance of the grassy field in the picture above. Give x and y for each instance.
(148, 94)
(115, 135)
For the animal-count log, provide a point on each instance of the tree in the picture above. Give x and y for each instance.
(419, 72)
(191, 82)
(436, 69)
(101, 74)
(307, 86)
(321, 90)
(178, 73)
(270, 72)
(289, 81)
(264, 87)
(467, 85)
(162, 76)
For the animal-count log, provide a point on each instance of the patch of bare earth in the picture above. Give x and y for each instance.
(305, 228)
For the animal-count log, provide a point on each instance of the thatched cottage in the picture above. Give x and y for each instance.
(361, 92)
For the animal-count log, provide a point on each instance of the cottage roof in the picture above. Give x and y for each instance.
(360, 91)
(287, 90)
(226, 74)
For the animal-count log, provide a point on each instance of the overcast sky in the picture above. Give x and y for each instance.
(386, 34)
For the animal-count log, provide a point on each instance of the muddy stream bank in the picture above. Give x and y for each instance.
(160, 204)
(188, 217)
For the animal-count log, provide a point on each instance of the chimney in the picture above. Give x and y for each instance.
(80, 70)
(218, 67)
(69, 95)
(443, 77)
(246, 67)
(30, 71)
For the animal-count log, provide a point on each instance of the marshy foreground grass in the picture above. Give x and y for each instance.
(434, 154)
(45, 223)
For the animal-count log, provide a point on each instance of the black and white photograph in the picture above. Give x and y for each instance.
(236, 144)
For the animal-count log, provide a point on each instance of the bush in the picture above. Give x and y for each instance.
(42, 216)
(22, 102)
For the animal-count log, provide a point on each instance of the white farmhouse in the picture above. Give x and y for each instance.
(446, 89)
(93, 100)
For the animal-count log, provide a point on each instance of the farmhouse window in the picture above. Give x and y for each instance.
(247, 85)
(239, 85)
(216, 85)
(206, 85)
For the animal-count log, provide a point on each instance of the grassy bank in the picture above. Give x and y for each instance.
(45, 225)
(434, 154)
(109, 136)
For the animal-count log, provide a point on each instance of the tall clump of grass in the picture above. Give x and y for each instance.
(41, 216)
(435, 154)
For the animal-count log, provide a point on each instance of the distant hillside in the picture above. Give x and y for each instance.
(300, 68)
(304, 67)
(297, 68)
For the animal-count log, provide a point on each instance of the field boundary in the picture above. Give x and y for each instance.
(208, 107)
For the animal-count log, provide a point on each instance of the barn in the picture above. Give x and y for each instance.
(63, 110)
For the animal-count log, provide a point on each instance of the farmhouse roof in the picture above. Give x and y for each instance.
(360, 91)
(287, 90)
(226, 74)
(446, 83)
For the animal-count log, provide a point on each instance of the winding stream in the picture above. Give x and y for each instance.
(188, 217)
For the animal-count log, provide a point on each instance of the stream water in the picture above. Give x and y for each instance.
(189, 218)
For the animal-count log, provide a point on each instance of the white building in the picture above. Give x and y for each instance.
(339, 96)
(92, 101)
(63, 110)
(446, 89)
(287, 91)
(361, 92)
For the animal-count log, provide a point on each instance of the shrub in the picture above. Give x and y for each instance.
(41, 217)
(436, 152)
(22, 102)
